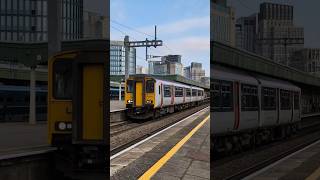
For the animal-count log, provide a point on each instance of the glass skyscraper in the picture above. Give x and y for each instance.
(26, 20)
(117, 59)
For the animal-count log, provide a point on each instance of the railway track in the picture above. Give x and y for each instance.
(246, 163)
(128, 134)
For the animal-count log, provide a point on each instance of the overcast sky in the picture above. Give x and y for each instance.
(99, 6)
(306, 14)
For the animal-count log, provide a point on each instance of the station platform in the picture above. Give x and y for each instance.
(303, 164)
(117, 106)
(15, 136)
(181, 151)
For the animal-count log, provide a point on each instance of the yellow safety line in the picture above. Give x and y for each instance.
(315, 175)
(155, 168)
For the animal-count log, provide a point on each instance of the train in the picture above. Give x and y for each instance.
(14, 103)
(249, 109)
(147, 96)
(77, 114)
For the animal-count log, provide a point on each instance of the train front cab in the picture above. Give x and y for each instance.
(140, 97)
(76, 112)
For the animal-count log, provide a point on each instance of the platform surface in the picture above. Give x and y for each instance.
(15, 136)
(191, 161)
(304, 164)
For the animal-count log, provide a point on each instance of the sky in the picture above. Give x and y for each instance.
(183, 26)
(305, 14)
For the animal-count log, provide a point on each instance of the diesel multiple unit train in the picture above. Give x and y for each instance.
(249, 109)
(147, 96)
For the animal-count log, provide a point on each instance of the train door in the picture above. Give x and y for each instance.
(236, 106)
(89, 116)
(138, 93)
(92, 102)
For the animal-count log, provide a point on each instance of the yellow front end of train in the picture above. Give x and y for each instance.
(77, 119)
(140, 96)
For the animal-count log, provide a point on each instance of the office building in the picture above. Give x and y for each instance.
(26, 20)
(194, 71)
(94, 25)
(169, 65)
(307, 60)
(117, 59)
(222, 22)
(278, 37)
(246, 32)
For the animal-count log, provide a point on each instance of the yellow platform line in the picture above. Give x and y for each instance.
(315, 175)
(155, 168)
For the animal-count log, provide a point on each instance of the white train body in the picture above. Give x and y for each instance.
(243, 102)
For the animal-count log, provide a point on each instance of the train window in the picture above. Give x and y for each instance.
(285, 100)
(62, 80)
(226, 96)
(215, 94)
(150, 86)
(188, 92)
(194, 92)
(167, 91)
(249, 98)
(129, 86)
(178, 92)
(296, 101)
(268, 98)
(159, 89)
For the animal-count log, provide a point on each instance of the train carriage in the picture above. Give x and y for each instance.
(249, 108)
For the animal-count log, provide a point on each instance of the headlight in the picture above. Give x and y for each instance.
(149, 101)
(63, 126)
(130, 101)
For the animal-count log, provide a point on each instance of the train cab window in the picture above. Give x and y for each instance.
(129, 86)
(178, 92)
(296, 101)
(150, 86)
(62, 80)
(249, 98)
(285, 100)
(188, 92)
(167, 91)
(268, 98)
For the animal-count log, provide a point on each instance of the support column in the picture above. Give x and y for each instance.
(127, 51)
(32, 109)
(120, 91)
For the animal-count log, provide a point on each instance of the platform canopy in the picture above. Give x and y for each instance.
(241, 59)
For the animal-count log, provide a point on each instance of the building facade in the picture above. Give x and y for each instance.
(222, 22)
(26, 20)
(94, 25)
(117, 59)
(307, 60)
(169, 65)
(141, 70)
(246, 33)
(278, 37)
(194, 71)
